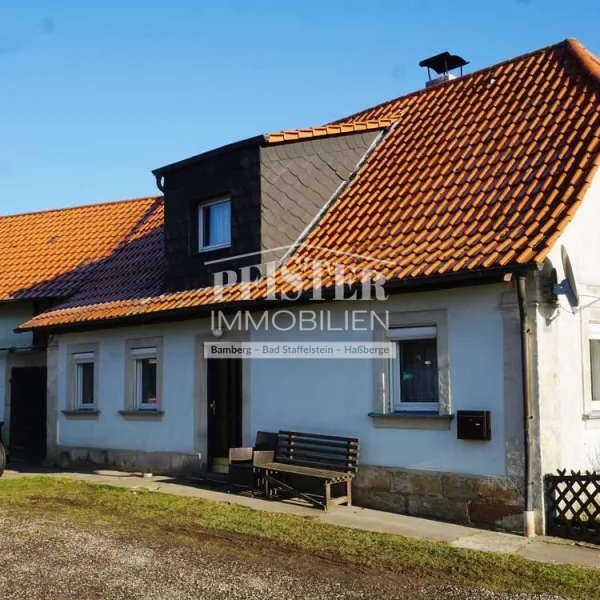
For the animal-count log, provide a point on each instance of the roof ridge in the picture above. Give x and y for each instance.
(80, 206)
(351, 127)
(589, 61)
(386, 120)
(573, 44)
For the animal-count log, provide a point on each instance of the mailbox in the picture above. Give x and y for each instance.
(474, 425)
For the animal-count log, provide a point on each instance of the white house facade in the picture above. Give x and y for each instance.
(460, 202)
(411, 462)
(568, 364)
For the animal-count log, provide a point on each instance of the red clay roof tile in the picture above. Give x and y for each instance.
(490, 154)
(51, 254)
(292, 135)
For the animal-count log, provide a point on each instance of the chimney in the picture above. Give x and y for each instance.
(442, 64)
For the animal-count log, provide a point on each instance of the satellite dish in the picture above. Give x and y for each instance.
(567, 287)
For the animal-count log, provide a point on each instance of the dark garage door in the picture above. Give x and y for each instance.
(27, 414)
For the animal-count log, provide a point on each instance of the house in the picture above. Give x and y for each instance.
(44, 258)
(441, 217)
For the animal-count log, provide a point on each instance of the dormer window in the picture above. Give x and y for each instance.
(214, 224)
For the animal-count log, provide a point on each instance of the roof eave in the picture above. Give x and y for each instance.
(256, 140)
(409, 285)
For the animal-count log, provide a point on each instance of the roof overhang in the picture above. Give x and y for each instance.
(253, 141)
(428, 283)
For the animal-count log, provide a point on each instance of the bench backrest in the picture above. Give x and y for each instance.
(265, 440)
(329, 452)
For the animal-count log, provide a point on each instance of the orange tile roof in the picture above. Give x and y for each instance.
(49, 254)
(481, 172)
(293, 135)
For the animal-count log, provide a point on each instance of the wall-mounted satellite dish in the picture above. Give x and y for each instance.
(567, 287)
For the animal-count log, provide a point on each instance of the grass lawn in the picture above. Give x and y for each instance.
(190, 521)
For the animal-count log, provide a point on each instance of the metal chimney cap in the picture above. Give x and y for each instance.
(444, 62)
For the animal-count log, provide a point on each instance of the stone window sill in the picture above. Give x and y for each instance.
(593, 416)
(81, 414)
(412, 420)
(142, 415)
(592, 420)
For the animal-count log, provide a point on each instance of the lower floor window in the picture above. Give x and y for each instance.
(414, 371)
(594, 337)
(84, 380)
(145, 379)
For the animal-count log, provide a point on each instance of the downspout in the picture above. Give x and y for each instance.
(528, 514)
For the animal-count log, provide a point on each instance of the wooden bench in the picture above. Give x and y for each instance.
(330, 461)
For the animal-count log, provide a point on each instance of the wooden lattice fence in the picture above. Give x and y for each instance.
(573, 505)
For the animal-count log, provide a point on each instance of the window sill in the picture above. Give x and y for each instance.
(592, 416)
(81, 414)
(412, 420)
(211, 248)
(142, 415)
(592, 420)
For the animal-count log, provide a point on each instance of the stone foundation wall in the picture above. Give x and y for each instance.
(467, 499)
(163, 463)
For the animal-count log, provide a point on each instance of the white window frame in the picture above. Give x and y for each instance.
(593, 333)
(77, 354)
(401, 334)
(136, 348)
(140, 354)
(83, 358)
(202, 206)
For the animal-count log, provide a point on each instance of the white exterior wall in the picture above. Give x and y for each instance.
(174, 433)
(336, 395)
(329, 395)
(11, 316)
(567, 439)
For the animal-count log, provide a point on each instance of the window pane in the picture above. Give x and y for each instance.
(146, 381)
(595, 368)
(217, 224)
(418, 370)
(85, 383)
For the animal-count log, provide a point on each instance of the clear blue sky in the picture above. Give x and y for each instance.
(96, 94)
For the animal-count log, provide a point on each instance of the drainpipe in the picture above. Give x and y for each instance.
(528, 515)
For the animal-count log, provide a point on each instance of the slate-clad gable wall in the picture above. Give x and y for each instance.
(276, 191)
(234, 173)
(297, 180)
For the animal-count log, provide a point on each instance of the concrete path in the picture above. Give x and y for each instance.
(545, 549)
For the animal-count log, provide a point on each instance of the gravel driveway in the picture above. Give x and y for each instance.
(46, 560)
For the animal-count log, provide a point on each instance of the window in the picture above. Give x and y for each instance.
(214, 220)
(594, 340)
(414, 371)
(145, 379)
(84, 381)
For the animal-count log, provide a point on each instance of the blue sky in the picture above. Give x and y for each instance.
(96, 94)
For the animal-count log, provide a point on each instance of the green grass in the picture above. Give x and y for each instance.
(189, 521)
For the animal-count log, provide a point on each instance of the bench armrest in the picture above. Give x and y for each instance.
(237, 454)
(263, 456)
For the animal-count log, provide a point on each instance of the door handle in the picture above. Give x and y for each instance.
(213, 407)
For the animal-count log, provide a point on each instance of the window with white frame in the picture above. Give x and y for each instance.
(145, 382)
(214, 224)
(84, 397)
(414, 372)
(594, 339)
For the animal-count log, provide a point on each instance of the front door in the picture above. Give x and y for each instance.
(224, 410)
(27, 414)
